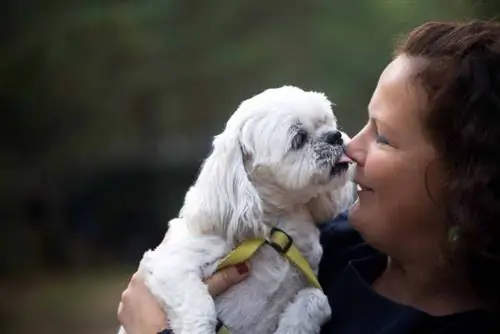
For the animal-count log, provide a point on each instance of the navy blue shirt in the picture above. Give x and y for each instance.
(349, 267)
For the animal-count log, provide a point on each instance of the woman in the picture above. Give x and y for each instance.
(421, 250)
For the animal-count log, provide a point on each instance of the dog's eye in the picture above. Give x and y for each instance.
(299, 139)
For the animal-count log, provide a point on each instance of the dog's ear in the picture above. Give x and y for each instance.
(223, 200)
(329, 204)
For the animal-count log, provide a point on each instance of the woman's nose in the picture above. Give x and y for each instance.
(355, 149)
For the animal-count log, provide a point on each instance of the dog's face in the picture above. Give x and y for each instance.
(292, 148)
(280, 148)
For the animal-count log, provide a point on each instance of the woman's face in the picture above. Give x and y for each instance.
(394, 211)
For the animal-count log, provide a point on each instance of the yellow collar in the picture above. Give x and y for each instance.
(282, 243)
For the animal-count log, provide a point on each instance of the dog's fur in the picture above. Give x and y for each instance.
(271, 166)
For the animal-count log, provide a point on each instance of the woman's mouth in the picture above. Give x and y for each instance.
(360, 188)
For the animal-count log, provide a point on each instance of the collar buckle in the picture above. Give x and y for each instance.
(280, 240)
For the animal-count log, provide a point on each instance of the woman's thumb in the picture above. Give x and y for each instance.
(226, 278)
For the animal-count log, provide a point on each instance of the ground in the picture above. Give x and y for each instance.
(57, 303)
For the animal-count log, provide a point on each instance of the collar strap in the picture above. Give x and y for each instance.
(282, 243)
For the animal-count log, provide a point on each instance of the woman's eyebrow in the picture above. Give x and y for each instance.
(378, 122)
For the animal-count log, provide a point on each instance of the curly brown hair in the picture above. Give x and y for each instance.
(461, 78)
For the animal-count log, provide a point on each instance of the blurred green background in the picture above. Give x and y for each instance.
(109, 107)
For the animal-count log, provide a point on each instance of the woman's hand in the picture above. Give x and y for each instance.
(139, 312)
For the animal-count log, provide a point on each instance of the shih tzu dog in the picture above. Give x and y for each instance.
(278, 163)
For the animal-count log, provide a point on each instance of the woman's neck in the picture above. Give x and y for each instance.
(434, 288)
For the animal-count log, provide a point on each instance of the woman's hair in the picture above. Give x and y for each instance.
(461, 79)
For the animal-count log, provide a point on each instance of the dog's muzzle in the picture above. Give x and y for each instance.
(330, 152)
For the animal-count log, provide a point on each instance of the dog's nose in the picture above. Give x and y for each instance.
(334, 138)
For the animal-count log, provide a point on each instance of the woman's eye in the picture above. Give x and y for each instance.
(299, 139)
(382, 140)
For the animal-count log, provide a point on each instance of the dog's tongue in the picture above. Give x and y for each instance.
(344, 158)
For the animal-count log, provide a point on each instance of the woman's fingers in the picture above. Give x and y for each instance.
(226, 278)
(138, 311)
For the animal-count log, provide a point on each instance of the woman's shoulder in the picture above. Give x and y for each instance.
(346, 269)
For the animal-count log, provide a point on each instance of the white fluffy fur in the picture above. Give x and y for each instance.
(251, 181)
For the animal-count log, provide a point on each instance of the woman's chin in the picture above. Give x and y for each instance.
(354, 209)
(356, 213)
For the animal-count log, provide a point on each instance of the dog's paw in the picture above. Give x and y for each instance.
(306, 314)
(318, 302)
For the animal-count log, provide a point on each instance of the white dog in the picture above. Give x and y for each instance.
(278, 163)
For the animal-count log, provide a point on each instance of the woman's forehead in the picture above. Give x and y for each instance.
(399, 103)
(397, 96)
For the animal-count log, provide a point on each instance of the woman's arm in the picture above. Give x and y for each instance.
(139, 312)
